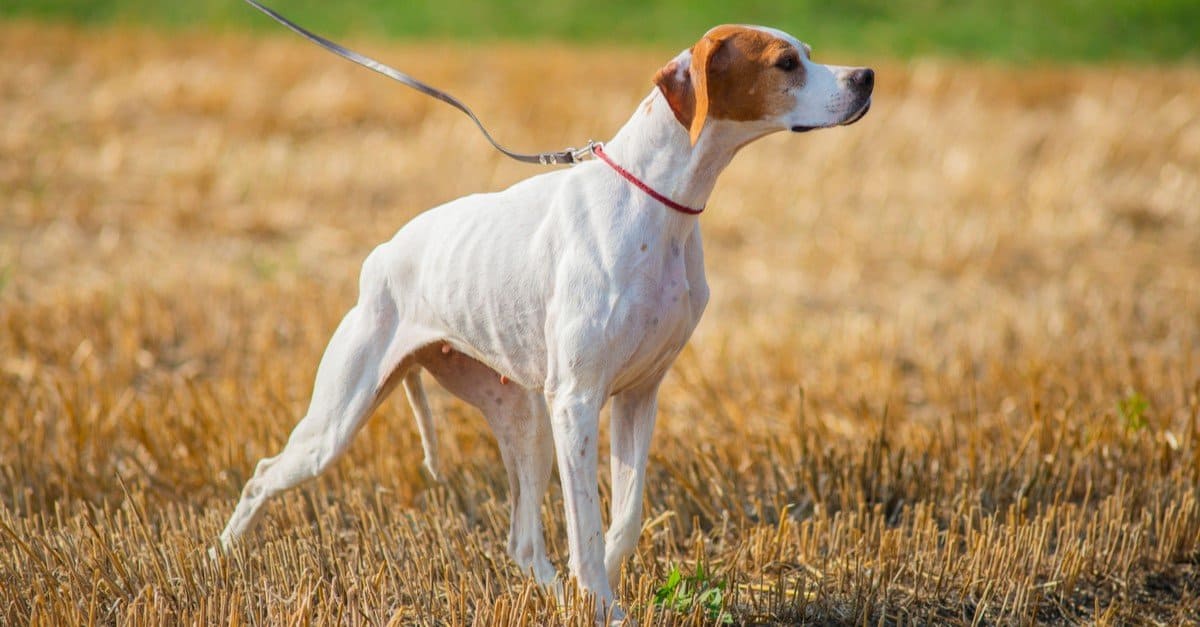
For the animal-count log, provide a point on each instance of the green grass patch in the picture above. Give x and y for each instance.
(685, 593)
(1133, 410)
(1011, 30)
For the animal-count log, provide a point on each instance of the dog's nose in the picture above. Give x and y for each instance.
(863, 78)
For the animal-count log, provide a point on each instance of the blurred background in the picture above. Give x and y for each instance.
(1014, 30)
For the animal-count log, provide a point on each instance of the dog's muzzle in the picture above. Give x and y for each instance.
(864, 83)
(857, 115)
(861, 81)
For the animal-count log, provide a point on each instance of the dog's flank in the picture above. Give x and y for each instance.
(580, 286)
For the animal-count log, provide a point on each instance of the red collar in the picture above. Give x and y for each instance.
(599, 152)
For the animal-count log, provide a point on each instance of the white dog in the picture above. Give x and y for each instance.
(538, 303)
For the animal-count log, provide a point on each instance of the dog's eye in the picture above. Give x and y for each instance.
(787, 64)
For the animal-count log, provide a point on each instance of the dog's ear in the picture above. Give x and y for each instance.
(675, 82)
(684, 83)
(701, 70)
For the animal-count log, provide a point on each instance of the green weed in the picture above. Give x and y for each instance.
(683, 593)
(1132, 410)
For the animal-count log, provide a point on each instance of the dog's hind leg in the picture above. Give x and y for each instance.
(420, 406)
(368, 354)
(521, 424)
(526, 434)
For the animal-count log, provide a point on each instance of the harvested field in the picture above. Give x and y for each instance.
(950, 371)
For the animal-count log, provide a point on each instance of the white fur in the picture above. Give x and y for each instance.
(537, 304)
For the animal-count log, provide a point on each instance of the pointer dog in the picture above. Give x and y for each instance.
(539, 303)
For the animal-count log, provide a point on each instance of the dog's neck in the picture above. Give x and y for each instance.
(654, 146)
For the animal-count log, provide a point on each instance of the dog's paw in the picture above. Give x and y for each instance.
(430, 472)
(616, 617)
(216, 552)
(222, 548)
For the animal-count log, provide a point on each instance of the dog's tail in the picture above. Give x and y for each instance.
(420, 405)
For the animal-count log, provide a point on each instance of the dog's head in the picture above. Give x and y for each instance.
(763, 77)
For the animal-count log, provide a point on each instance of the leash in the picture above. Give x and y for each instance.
(568, 155)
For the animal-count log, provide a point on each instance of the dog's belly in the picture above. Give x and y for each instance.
(509, 340)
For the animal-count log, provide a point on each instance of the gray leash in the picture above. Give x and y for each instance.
(569, 155)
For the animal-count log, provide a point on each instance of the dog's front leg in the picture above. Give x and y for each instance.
(633, 414)
(574, 420)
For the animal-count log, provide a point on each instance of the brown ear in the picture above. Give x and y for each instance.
(686, 89)
(675, 83)
(702, 54)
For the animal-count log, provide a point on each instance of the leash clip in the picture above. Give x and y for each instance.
(587, 152)
(571, 155)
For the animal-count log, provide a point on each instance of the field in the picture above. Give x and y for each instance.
(950, 371)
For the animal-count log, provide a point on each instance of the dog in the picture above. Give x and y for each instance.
(538, 303)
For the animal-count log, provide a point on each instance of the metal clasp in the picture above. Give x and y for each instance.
(571, 155)
(586, 152)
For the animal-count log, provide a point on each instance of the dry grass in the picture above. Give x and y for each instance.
(903, 404)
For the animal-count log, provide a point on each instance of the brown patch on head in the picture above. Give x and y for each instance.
(736, 73)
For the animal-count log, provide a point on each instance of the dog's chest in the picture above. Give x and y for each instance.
(661, 317)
